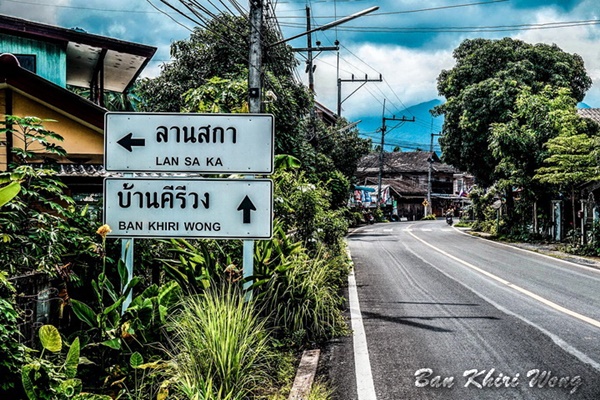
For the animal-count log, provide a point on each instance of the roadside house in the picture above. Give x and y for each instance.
(38, 62)
(405, 179)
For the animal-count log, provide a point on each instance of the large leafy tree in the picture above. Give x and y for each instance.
(483, 87)
(221, 49)
(519, 143)
(572, 156)
(209, 74)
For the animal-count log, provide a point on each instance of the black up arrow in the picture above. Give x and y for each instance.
(128, 142)
(246, 205)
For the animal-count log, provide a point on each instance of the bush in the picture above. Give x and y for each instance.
(11, 352)
(220, 348)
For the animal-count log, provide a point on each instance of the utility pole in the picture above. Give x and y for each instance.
(339, 84)
(254, 106)
(383, 130)
(429, 208)
(310, 68)
(255, 57)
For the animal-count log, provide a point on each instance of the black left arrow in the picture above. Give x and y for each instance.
(128, 142)
(246, 205)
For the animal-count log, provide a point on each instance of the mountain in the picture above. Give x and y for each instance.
(409, 136)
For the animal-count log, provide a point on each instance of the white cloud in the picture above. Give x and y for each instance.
(409, 77)
(583, 40)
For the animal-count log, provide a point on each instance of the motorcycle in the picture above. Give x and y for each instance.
(449, 220)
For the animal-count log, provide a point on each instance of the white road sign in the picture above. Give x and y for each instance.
(200, 143)
(179, 208)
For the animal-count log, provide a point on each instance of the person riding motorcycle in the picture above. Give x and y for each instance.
(449, 215)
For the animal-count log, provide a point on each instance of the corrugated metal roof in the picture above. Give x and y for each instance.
(591, 113)
(403, 162)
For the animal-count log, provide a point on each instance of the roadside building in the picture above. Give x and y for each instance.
(409, 179)
(37, 64)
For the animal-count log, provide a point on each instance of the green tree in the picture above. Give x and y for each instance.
(519, 143)
(219, 50)
(572, 155)
(482, 89)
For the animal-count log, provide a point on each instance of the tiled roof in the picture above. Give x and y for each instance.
(82, 170)
(416, 162)
(591, 113)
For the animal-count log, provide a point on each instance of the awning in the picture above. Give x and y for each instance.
(364, 188)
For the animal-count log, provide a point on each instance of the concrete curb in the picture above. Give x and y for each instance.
(305, 375)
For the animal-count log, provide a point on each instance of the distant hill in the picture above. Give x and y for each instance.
(409, 136)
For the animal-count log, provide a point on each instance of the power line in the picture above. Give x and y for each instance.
(426, 9)
(476, 29)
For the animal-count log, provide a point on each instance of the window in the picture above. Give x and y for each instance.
(27, 61)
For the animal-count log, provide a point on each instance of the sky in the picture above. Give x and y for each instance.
(406, 42)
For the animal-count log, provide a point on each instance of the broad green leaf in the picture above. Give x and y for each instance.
(9, 192)
(169, 294)
(28, 384)
(136, 360)
(72, 360)
(50, 338)
(84, 313)
(112, 343)
(70, 387)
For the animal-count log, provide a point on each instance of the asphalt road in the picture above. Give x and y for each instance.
(449, 316)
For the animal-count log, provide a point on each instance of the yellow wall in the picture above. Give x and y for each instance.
(79, 139)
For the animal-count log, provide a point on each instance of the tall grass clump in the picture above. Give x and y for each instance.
(220, 349)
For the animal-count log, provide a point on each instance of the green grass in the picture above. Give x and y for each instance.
(220, 348)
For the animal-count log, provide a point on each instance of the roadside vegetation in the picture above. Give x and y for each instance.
(511, 121)
(191, 330)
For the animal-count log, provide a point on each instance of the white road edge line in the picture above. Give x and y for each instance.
(571, 263)
(526, 292)
(362, 366)
(559, 342)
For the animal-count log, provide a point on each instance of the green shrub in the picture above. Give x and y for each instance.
(11, 352)
(300, 298)
(220, 348)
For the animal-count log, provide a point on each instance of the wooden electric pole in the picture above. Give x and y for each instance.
(383, 130)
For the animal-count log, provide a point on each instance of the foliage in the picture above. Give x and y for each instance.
(114, 327)
(113, 330)
(220, 348)
(112, 101)
(38, 222)
(9, 192)
(481, 89)
(221, 49)
(378, 215)
(32, 140)
(429, 217)
(196, 265)
(301, 206)
(218, 95)
(11, 352)
(297, 293)
(44, 378)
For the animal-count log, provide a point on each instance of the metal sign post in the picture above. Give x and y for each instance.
(175, 207)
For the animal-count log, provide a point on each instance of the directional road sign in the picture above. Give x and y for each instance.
(199, 208)
(192, 143)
